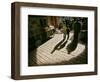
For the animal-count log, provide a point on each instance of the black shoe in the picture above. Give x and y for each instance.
(68, 52)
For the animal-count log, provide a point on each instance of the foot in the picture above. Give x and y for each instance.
(68, 52)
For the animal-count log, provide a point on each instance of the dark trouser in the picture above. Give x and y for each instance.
(67, 36)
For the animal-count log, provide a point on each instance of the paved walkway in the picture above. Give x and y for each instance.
(44, 56)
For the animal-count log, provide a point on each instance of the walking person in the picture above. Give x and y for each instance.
(76, 28)
(68, 31)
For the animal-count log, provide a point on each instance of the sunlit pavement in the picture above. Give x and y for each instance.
(44, 56)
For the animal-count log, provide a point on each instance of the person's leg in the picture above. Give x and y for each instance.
(56, 47)
(67, 36)
(63, 45)
(64, 36)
